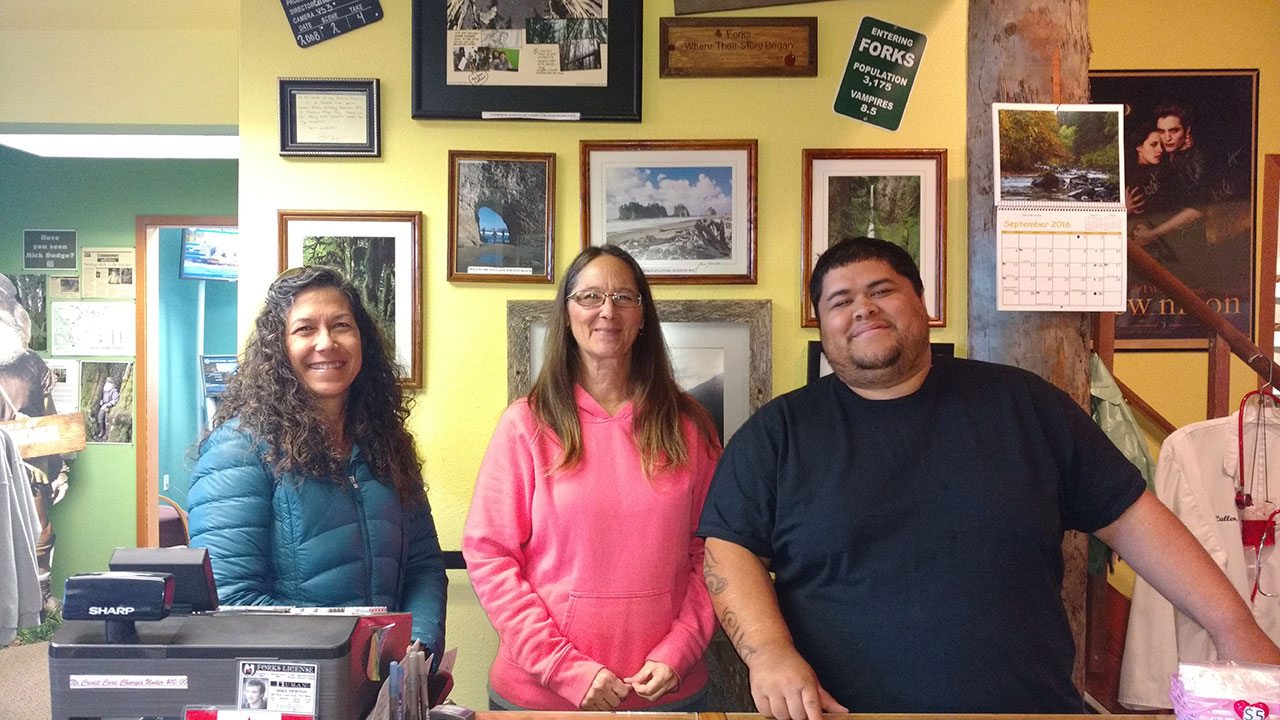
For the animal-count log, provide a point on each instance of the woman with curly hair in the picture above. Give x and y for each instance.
(309, 490)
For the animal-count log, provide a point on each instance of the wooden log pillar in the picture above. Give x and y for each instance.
(1025, 51)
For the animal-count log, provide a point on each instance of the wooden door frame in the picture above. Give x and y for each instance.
(147, 458)
(1265, 297)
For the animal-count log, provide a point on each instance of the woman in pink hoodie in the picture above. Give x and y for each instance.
(580, 540)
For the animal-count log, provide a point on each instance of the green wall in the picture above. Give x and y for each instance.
(100, 199)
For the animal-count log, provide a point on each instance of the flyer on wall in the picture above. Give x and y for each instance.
(107, 273)
(515, 43)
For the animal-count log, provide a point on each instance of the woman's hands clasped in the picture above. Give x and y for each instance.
(654, 680)
(607, 691)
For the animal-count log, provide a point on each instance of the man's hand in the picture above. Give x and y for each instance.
(605, 693)
(654, 680)
(785, 687)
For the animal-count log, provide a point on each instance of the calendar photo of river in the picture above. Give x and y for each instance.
(1063, 156)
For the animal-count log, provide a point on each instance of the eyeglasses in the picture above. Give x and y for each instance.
(596, 298)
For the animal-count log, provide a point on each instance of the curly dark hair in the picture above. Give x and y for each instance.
(272, 404)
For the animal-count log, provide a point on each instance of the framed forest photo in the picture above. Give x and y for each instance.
(894, 195)
(380, 252)
(501, 216)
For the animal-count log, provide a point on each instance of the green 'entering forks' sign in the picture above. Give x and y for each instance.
(882, 68)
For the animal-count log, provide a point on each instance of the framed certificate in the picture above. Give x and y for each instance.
(330, 117)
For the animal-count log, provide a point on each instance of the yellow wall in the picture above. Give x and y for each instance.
(1145, 34)
(465, 325)
(111, 62)
(83, 64)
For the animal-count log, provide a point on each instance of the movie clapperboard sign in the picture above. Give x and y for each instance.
(315, 21)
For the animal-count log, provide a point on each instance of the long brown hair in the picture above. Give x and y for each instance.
(659, 402)
(272, 404)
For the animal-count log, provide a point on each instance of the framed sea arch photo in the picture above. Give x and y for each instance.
(501, 216)
(894, 195)
(684, 209)
(1190, 177)
(380, 251)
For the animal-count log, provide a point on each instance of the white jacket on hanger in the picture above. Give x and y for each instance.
(1196, 479)
(20, 597)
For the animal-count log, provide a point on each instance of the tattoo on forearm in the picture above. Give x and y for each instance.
(737, 634)
(715, 582)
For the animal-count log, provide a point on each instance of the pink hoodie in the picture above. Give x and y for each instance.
(589, 568)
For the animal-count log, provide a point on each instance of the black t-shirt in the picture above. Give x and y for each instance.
(917, 541)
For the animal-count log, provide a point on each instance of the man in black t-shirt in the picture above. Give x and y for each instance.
(912, 509)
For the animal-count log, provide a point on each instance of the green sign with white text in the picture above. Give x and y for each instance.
(882, 68)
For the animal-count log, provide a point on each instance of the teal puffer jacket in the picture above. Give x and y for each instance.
(281, 541)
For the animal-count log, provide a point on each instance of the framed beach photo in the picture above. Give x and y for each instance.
(381, 253)
(720, 352)
(894, 195)
(684, 209)
(527, 60)
(501, 216)
(1191, 153)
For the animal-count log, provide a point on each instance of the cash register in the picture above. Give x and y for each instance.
(147, 639)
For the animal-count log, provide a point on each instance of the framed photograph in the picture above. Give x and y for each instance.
(106, 401)
(379, 251)
(720, 352)
(330, 117)
(690, 7)
(1190, 179)
(33, 295)
(527, 60)
(501, 216)
(685, 209)
(819, 367)
(894, 195)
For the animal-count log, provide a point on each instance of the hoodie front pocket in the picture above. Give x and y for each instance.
(618, 629)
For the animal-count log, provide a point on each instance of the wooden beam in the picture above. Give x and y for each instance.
(1218, 404)
(1104, 339)
(1267, 243)
(1141, 262)
(1026, 51)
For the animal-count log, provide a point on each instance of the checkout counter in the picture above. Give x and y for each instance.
(139, 643)
(195, 660)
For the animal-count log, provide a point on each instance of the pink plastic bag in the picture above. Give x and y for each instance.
(1226, 691)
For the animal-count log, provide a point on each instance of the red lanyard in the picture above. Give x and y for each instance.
(1254, 533)
(1257, 579)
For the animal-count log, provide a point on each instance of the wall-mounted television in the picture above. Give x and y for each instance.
(210, 254)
